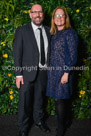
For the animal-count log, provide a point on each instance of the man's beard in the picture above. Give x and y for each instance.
(39, 23)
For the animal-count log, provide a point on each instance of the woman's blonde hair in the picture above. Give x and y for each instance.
(53, 29)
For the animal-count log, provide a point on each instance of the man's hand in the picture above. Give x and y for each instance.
(19, 80)
(64, 78)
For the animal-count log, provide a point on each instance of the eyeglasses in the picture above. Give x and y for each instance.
(34, 12)
(60, 15)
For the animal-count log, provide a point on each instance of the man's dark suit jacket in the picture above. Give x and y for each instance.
(25, 51)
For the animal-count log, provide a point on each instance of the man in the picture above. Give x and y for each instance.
(31, 56)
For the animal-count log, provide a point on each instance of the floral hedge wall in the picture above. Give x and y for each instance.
(15, 13)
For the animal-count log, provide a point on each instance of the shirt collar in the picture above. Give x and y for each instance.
(35, 27)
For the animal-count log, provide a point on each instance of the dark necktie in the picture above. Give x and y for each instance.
(42, 51)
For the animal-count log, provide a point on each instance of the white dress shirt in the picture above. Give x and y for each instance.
(37, 37)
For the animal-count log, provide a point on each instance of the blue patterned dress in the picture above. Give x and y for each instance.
(63, 56)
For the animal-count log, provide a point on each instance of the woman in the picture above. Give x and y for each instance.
(63, 56)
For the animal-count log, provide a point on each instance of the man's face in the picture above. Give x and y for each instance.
(37, 15)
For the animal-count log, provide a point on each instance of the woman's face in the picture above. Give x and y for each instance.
(59, 18)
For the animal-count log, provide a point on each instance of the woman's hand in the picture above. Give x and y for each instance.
(64, 78)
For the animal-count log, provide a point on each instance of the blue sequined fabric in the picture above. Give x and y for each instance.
(63, 56)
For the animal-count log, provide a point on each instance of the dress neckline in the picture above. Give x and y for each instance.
(62, 30)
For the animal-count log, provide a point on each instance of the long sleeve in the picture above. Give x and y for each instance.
(72, 42)
(17, 52)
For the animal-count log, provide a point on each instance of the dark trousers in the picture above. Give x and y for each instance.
(32, 92)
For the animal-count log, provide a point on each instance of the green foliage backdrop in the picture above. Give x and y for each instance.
(15, 13)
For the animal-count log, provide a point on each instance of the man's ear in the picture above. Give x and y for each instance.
(30, 14)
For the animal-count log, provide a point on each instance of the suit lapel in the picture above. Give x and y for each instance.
(33, 39)
(48, 36)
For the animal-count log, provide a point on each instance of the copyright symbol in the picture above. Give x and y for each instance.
(4, 68)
